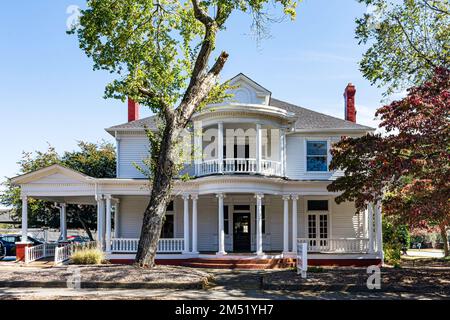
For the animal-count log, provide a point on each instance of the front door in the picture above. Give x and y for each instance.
(241, 232)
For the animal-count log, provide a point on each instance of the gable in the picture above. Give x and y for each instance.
(52, 174)
(247, 91)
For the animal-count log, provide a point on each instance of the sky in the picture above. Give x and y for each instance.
(49, 93)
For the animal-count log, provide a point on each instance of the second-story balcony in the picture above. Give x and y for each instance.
(239, 166)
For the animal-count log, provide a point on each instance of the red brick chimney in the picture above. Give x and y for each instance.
(133, 110)
(349, 96)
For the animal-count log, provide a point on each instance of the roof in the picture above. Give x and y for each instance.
(309, 119)
(50, 170)
(306, 120)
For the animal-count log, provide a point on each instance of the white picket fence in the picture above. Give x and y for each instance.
(40, 251)
(64, 253)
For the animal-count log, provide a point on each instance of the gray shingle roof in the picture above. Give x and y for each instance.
(309, 119)
(306, 119)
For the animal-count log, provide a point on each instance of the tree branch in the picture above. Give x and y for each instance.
(200, 14)
(412, 44)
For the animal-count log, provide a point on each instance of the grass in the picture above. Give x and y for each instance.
(88, 256)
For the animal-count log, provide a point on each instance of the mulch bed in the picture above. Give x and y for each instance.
(354, 279)
(107, 276)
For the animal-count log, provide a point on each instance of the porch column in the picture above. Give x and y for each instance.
(220, 146)
(294, 222)
(24, 219)
(116, 219)
(198, 147)
(286, 224)
(282, 151)
(186, 223)
(100, 218)
(108, 224)
(194, 223)
(63, 221)
(258, 148)
(221, 231)
(370, 226)
(378, 229)
(259, 239)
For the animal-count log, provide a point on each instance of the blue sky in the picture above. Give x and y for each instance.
(49, 93)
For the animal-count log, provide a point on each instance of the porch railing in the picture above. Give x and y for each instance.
(122, 245)
(64, 253)
(40, 251)
(336, 245)
(239, 165)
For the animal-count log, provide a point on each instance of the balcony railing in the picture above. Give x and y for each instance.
(338, 245)
(239, 165)
(122, 245)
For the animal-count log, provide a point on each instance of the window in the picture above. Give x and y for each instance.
(316, 156)
(170, 206)
(168, 227)
(263, 214)
(241, 207)
(317, 205)
(226, 219)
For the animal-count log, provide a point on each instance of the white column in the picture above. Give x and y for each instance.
(221, 231)
(370, 226)
(24, 219)
(116, 219)
(259, 239)
(194, 223)
(198, 148)
(258, 148)
(186, 223)
(220, 146)
(378, 229)
(63, 221)
(294, 222)
(282, 150)
(286, 224)
(108, 224)
(100, 218)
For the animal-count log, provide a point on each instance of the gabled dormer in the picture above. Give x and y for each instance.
(247, 91)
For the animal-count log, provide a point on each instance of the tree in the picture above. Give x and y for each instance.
(95, 160)
(160, 52)
(408, 40)
(408, 168)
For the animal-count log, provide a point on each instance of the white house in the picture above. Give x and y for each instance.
(262, 194)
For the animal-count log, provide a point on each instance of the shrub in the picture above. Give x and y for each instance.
(88, 256)
(395, 238)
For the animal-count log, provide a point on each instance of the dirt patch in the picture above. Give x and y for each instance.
(354, 279)
(108, 276)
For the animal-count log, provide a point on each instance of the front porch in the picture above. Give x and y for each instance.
(222, 218)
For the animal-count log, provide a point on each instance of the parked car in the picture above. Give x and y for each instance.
(2, 251)
(9, 242)
(75, 239)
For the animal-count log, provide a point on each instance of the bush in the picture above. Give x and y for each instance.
(88, 256)
(396, 237)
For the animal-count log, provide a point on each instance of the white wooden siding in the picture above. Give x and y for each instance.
(131, 149)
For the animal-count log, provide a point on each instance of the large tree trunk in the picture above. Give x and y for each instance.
(85, 227)
(159, 197)
(444, 237)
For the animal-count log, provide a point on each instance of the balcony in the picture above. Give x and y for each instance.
(239, 166)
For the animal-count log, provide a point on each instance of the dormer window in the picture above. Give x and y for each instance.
(317, 156)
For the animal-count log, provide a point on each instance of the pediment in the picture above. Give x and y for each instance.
(248, 91)
(54, 174)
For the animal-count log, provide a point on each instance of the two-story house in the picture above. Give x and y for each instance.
(257, 187)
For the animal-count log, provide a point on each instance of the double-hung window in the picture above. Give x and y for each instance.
(316, 156)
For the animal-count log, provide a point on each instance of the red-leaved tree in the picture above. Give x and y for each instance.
(408, 167)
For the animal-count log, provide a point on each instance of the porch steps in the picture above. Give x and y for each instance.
(239, 263)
